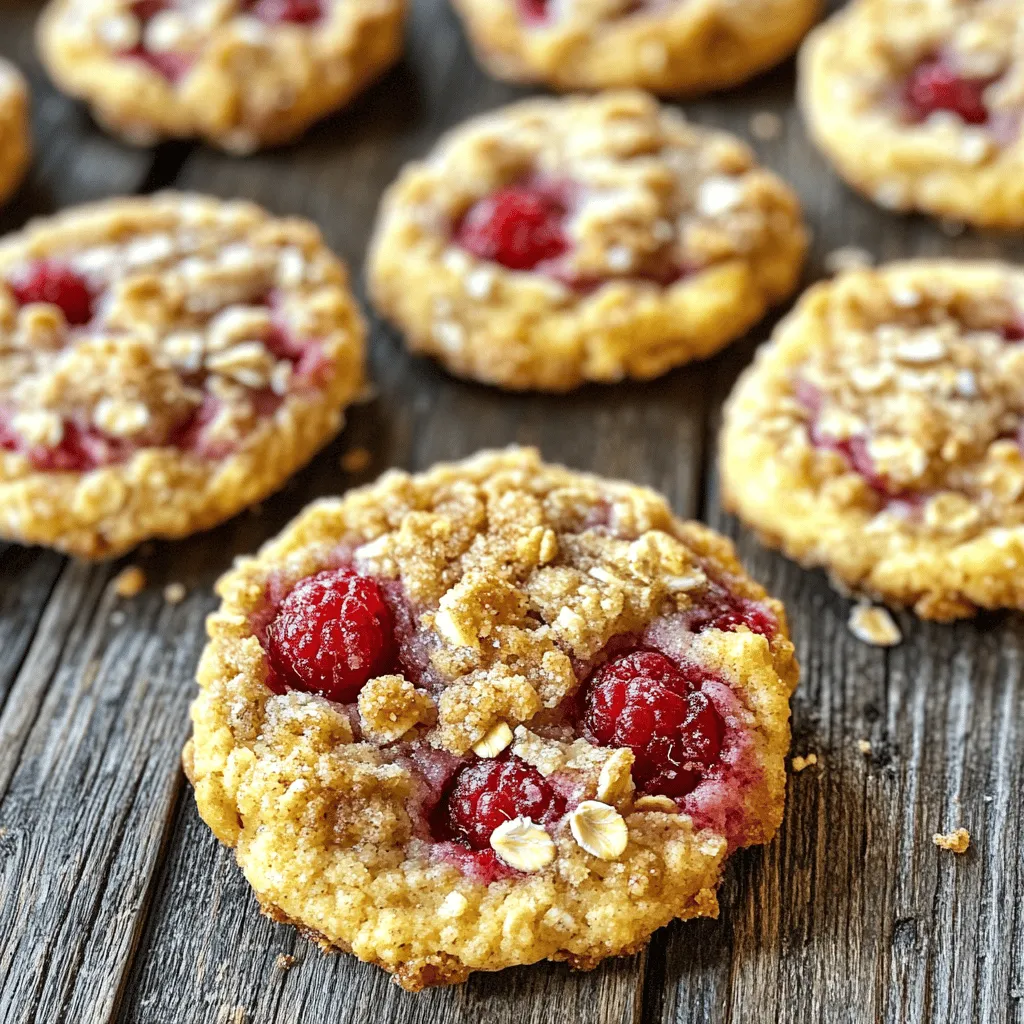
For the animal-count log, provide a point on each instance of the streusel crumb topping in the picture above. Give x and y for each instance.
(438, 685)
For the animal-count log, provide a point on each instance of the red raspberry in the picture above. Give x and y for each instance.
(720, 609)
(646, 702)
(79, 450)
(147, 10)
(934, 86)
(173, 66)
(57, 283)
(1014, 331)
(519, 227)
(298, 12)
(494, 790)
(332, 633)
(533, 10)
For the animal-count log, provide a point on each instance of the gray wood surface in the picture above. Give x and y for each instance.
(116, 905)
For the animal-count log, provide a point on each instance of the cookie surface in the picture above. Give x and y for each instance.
(164, 362)
(880, 432)
(918, 104)
(14, 129)
(240, 74)
(554, 710)
(555, 242)
(670, 48)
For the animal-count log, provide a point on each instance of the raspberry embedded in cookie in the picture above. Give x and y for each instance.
(650, 704)
(79, 449)
(720, 609)
(934, 86)
(277, 12)
(519, 226)
(56, 283)
(332, 633)
(491, 791)
(169, 63)
(533, 11)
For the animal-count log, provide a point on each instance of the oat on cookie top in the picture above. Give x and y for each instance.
(556, 241)
(668, 47)
(893, 400)
(499, 698)
(241, 73)
(147, 339)
(920, 103)
(14, 129)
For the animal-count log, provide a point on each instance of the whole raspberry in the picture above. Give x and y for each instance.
(332, 633)
(496, 789)
(934, 86)
(57, 283)
(718, 608)
(276, 12)
(519, 227)
(646, 702)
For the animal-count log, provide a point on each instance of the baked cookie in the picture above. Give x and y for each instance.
(880, 433)
(918, 103)
(490, 714)
(14, 129)
(584, 239)
(240, 74)
(671, 47)
(164, 362)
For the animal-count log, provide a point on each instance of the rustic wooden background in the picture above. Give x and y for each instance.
(116, 904)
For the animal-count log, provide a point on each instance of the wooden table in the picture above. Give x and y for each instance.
(116, 903)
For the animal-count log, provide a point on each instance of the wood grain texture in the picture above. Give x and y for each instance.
(117, 905)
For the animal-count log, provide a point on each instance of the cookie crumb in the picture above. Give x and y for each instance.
(956, 841)
(175, 593)
(117, 618)
(130, 581)
(799, 763)
(864, 746)
(847, 257)
(874, 625)
(766, 126)
(355, 460)
(284, 961)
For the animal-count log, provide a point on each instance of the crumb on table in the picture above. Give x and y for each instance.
(131, 580)
(800, 763)
(284, 961)
(175, 593)
(957, 841)
(874, 625)
(864, 746)
(355, 460)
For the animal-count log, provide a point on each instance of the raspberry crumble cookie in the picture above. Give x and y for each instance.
(490, 714)
(919, 104)
(239, 73)
(665, 46)
(880, 434)
(164, 363)
(14, 129)
(585, 239)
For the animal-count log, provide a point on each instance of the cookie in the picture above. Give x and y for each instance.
(555, 242)
(240, 74)
(670, 48)
(164, 362)
(490, 714)
(917, 103)
(880, 432)
(14, 129)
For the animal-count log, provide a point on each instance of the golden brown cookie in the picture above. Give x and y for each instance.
(673, 47)
(879, 434)
(918, 103)
(240, 74)
(14, 129)
(490, 714)
(555, 242)
(164, 362)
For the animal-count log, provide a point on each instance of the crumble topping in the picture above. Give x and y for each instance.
(956, 841)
